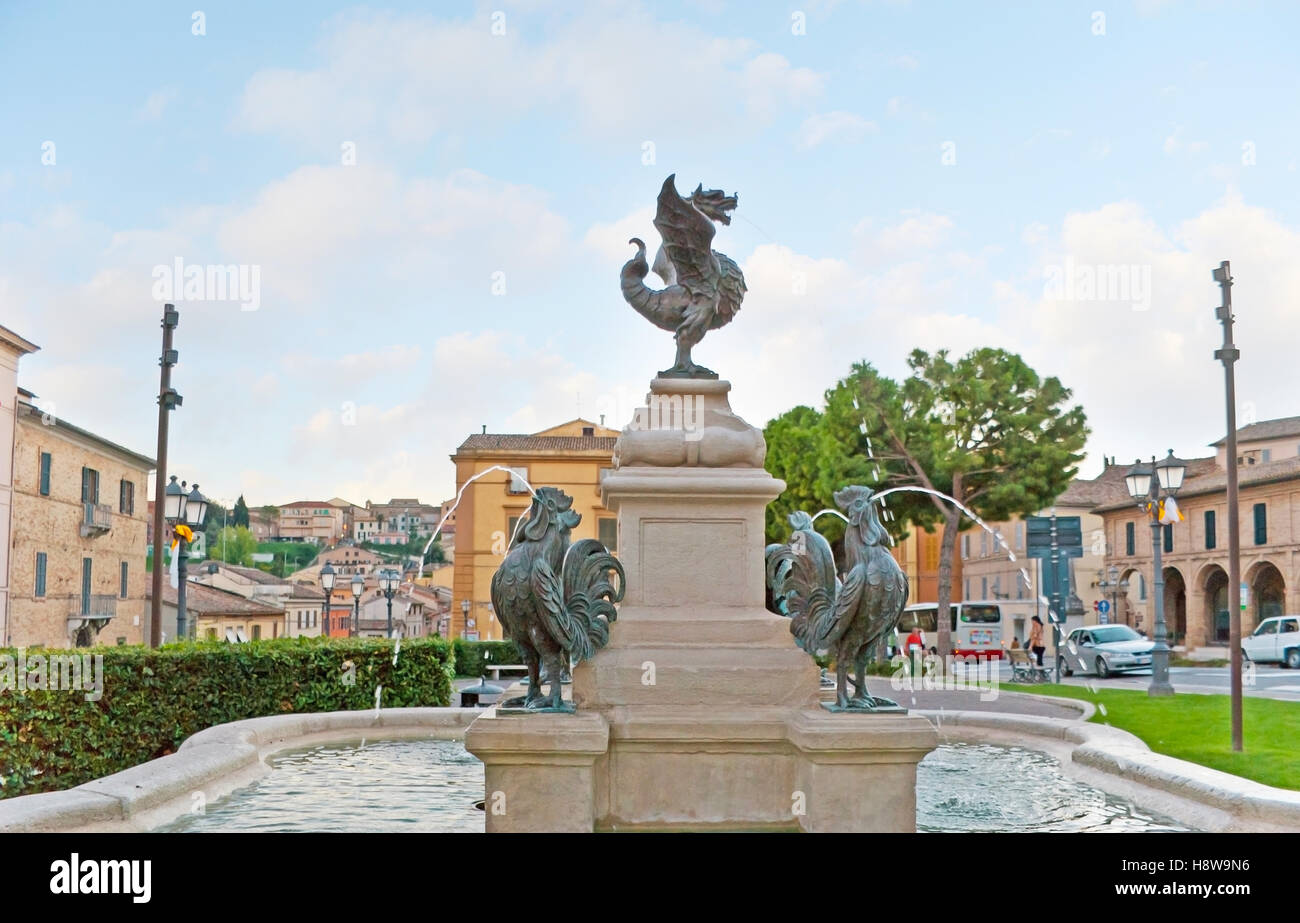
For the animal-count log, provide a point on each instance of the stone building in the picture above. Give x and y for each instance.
(12, 348)
(78, 547)
(316, 521)
(219, 615)
(572, 456)
(918, 555)
(1195, 551)
(303, 605)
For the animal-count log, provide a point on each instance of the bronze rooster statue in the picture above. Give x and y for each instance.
(846, 618)
(555, 600)
(704, 287)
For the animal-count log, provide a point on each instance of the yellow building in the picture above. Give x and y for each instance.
(572, 456)
(918, 555)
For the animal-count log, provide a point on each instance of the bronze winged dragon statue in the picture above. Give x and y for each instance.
(704, 287)
(555, 600)
(848, 618)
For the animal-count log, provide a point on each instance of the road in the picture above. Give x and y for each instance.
(1270, 681)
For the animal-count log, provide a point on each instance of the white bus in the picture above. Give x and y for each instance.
(980, 626)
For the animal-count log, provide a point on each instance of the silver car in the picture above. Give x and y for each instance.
(1103, 650)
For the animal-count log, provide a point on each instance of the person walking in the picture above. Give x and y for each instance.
(1036, 639)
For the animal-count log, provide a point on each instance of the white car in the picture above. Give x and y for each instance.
(1104, 649)
(1276, 639)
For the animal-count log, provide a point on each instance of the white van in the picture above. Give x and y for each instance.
(1275, 640)
(976, 627)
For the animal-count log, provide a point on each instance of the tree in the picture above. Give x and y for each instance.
(239, 517)
(985, 430)
(218, 517)
(234, 545)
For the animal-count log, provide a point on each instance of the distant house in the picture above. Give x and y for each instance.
(220, 615)
(303, 604)
(311, 521)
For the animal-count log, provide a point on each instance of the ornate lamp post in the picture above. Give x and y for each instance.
(187, 510)
(465, 606)
(1150, 485)
(389, 580)
(327, 576)
(1109, 583)
(358, 587)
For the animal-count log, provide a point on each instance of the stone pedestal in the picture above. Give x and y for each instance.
(700, 713)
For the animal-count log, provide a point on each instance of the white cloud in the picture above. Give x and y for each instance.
(158, 100)
(832, 126)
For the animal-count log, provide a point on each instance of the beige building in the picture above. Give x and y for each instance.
(989, 572)
(1194, 552)
(404, 515)
(77, 565)
(311, 521)
(303, 605)
(572, 456)
(12, 348)
(219, 615)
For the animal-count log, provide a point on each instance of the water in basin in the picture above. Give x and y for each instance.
(431, 786)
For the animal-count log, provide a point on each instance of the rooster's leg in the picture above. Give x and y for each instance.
(842, 682)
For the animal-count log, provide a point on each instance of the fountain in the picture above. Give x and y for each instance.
(699, 711)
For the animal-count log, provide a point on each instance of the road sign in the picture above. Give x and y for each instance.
(1038, 536)
(1245, 595)
(1103, 606)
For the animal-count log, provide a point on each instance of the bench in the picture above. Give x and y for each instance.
(1024, 669)
(516, 669)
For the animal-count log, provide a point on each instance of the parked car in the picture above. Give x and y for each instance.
(1103, 650)
(1275, 640)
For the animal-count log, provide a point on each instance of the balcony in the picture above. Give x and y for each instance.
(88, 615)
(96, 519)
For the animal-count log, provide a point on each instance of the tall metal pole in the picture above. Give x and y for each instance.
(1228, 355)
(1160, 685)
(389, 594)
(167, 399)
(1057, 603)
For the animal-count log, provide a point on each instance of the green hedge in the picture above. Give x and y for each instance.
(153, 699)
(472, 655)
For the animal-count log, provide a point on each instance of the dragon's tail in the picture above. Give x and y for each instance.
(589, 596)
(663, 308)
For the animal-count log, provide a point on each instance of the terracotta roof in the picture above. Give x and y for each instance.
(1089, 492)
(1204, 476)
(1280, 428)
(304, 591)
(518, 442)
(315, 503)
(251, 573)
(206, 600)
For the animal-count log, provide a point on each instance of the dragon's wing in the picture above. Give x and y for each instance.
(731, 291)
(687, 234)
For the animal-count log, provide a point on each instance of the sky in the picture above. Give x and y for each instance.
(431, 203)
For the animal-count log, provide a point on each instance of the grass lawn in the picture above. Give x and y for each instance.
(1197, 728)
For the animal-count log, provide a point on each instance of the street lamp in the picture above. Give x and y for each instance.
(389, 580)
(1109, 583)
(1150, 486)
(358, 587)
(327, 584)
(465, 605)
(188, 511)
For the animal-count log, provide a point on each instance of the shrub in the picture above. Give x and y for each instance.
(472, 655)
(153, 699)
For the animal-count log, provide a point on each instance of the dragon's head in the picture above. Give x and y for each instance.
(714, 203)
(858, 504)
(552, 508)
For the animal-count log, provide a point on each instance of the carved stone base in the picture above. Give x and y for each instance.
(687, 422)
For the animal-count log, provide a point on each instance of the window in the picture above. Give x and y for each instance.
(997, 587)
(965, 551)
(967, 593)
(518, 481)
(1142, 587)
(41, 563)
(607, 531)
(589, 431)
(1261, 523)
(1210, 538)
(121, 591)
(126, 498)
(984, 544)
(257, 632)
(45, 474)
(1168, 531)
(212, 634)
(89, 485)
(1020, 536)
(1265, 454)
(984, 588)
(1130, 538)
